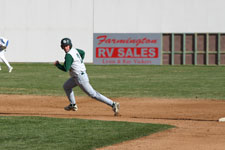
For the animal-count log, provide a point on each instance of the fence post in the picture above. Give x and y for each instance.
(218, 50)
(184, 48)
(196, 49)
(172, 49)
(207, 50)
(161, 49)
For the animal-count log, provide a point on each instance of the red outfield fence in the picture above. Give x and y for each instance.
(193, 48)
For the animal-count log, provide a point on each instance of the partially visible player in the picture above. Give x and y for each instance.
(75, 65)
(3, 45)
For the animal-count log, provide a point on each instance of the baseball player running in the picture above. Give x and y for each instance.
(3, 45)
(75, 65)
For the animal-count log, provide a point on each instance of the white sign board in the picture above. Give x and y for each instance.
(127, 48)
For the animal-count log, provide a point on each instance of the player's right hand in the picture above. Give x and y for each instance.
(56, 62)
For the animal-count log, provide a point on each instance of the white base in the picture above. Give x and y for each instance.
(222, 119)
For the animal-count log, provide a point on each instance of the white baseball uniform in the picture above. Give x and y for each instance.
(3, 45)
(74, 64)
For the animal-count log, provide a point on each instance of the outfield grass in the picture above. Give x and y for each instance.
(119, 81)
(40, 133)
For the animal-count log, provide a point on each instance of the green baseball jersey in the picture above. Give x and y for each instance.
(73, 62)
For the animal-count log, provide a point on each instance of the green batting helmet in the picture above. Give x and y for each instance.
(65, 42)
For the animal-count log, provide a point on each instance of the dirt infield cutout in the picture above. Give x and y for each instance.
(196, 120)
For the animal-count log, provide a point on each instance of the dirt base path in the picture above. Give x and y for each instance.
(196, 120)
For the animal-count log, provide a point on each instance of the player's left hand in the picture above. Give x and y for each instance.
(2, 47)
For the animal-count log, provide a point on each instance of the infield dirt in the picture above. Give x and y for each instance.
(196, 120)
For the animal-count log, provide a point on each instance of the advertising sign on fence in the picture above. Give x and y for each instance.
(127, 48)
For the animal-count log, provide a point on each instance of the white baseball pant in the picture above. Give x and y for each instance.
(82, 81)
(2, 56)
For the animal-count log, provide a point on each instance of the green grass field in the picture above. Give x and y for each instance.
(113, 81)
(119, 81)
(38, 133)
